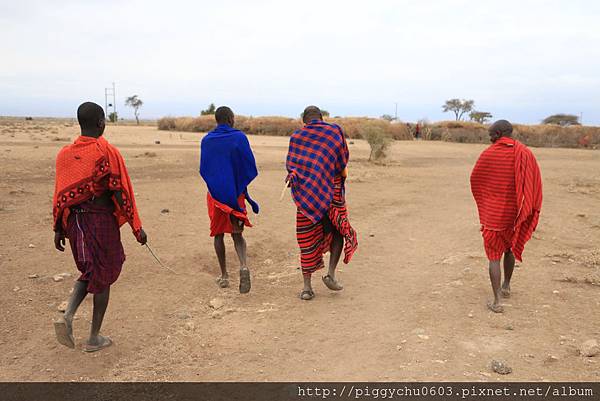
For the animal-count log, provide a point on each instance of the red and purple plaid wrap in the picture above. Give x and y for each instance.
(318, 153)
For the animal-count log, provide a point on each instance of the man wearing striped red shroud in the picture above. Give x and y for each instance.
(317, 169)
(507, 186)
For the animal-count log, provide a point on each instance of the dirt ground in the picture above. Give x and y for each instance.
(414, 303)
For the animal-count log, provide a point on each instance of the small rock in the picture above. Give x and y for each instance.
(589, 348)
(470, 315)
(551, 358)
(423, 336)
(165, 211)
(268, 262)
(419, 331)
(16, 289)
(371, 235)
(216, 303)
(58, 278)
(33, 276)
(31, 246)
(501, 367)
(189, 326)
(556, 259)
(581, 215)
(65, 275)
(157, 142)
(62, 307)
(556, 292)
(217, 314)
(398, 347)
(509, 327)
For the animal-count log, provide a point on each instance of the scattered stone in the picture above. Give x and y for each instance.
(16, 289)
(398, 348)
(183, 315)
(551, 358)
(418, 331)
(217, 314)
(189, 326)
(33, 276)
(589, 348)
(65, 275)
(371, 235)
(556, 292)
(581, 215)
(58, 278)
(31, 246)
(556, 259)
(501, 367)
(216, 303)
(423, 336)
(165, 211)
(62, 307)
(157, 142)
(470, 315)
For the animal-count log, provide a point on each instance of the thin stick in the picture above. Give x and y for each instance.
(158, 260)
(283, 190)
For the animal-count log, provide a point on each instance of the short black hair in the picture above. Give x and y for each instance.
(89, 114)
(501, 127)
(311, 113)
(223, 115)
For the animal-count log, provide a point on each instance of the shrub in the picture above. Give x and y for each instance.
(378, 138)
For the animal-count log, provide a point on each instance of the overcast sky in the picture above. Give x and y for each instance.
(520, 60)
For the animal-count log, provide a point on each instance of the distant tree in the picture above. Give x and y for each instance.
(135, 102)
(387, 117)
(209, 111)
(325, 113)
(459, 107)
(564, 120)
(480, 116)
(113, 117)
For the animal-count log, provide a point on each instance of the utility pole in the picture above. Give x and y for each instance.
(110, 92)
(396, 113)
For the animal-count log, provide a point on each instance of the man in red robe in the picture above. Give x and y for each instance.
(507, 186)
(93, 197)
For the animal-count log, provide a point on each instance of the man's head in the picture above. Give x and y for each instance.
(499, 129)
(224, 115)
(91, 119)
(311, 113)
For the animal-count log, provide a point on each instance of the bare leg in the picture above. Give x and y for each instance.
(495, 277)
(220, 251)
(240, 248)
(64, 326)
(78, 295)
(509, 266)
(100, 305)
(307, 292)
(337, 243)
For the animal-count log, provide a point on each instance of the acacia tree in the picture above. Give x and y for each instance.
(480, 116)
(563, 120)
(135, 102)
(459, 107)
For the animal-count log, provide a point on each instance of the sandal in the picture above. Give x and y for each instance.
(307, 295)
(245, 284)
(331, 283)
(222, 282)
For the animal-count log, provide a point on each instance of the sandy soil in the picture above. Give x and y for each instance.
(414, 303)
